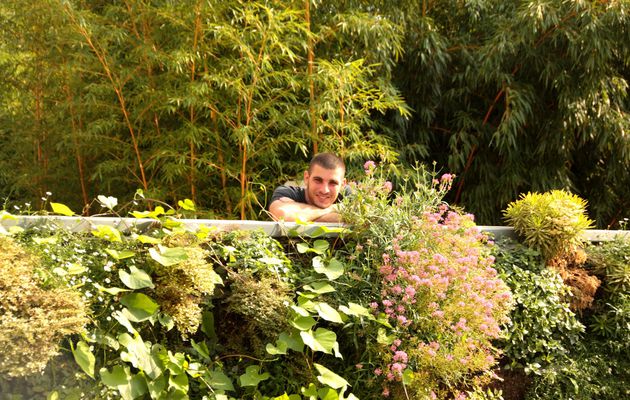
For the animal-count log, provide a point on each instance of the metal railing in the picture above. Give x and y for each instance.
(272, 228)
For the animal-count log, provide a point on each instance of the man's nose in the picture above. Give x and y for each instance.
(325, 189)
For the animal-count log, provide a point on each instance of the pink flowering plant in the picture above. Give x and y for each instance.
(434, 285)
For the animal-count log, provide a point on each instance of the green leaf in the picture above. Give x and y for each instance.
(219, 381)
(251, 377)
(107, 232)
(201, 348)
(178, 382)
(168, 256)
(159, 210)
(84, 357)
(284, 343)
(270, 260)
(136, 278)
(302, 248)
(332, 270)
(172, 223)
(327, 394)
(157, 386)
(303, 323)
(140, 305)
(166, 321)
(187, 204)
(407, 377)
(148, 239)
(124, 321)
(300, 311)
(329, 378)
(176, 363)
(62, 209)
(356, 310)
(311, 391)
(47, 240)
(320, 246)
(128, 385)
(322, 340)
(107, 202)
(5, 215)
(280, 348)
(140, 356)
(382, 338)
(120, 255)
(320, 288)
(328, 313)
(113, 290)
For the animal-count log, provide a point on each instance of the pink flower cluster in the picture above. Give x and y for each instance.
(445, 287)
(369, 167)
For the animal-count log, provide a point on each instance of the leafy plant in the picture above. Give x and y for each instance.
(36, 313)
(433, 285)
(611, 261)
(550, 223)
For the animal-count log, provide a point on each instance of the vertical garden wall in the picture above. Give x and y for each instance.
(219, 101)
(408, 300)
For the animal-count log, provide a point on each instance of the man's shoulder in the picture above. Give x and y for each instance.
(294, 193)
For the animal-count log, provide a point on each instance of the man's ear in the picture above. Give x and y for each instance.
(305, 176)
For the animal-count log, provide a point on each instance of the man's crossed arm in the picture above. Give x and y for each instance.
(290, 210)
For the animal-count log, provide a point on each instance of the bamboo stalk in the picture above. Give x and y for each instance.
(117, 90)
(311, 81)
(77, 150)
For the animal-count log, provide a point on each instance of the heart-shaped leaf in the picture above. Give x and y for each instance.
(333, 269)
(328, 313)
(322, 340)
(329, 378)
(84, 357)
(252, 377)
(136, 278)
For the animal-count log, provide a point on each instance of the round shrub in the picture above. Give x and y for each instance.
(549, 222)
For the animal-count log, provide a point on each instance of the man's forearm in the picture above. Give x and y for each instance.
(291, 211)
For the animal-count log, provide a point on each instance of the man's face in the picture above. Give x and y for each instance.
(323, 185)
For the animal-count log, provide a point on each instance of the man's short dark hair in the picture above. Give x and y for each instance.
(327, 161)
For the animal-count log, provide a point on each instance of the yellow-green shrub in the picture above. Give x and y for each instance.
(33, 320)
(549, 222)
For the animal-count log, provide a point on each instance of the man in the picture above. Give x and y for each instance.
(324, 180)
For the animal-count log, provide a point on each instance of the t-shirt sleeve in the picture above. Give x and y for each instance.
(293, 193)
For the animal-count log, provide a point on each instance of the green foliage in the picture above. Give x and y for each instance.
(516, 97)
(611, 261)
(550, 223)
(409, 312)
(544, 331)
(610, 321)
(182, 288)
(587, 374)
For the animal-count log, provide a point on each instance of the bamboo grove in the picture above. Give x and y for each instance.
(219, 101)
